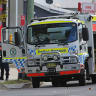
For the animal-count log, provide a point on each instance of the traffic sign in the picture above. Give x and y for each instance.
(22, 23)
(87, 7)
(1, 8)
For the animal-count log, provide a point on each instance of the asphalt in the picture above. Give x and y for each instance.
(13, 75)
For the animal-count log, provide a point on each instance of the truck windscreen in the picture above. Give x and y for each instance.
(52, 33)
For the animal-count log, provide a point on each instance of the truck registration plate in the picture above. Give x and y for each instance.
(51, 65)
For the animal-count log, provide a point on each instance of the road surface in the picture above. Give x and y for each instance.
(72, 89)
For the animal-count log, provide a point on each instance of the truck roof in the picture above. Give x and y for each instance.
(93, 17)
(50, 21)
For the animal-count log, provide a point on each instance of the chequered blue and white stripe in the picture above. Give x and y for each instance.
(31, 52)
(19, 63)
(82, 58)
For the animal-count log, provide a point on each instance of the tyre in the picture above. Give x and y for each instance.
(93, 80)
(35, 83)
(64, 83)
(54, 84)
(82, 80)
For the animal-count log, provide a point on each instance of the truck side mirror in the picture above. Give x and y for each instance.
(17, 38)
(89, 51)
(85, 34)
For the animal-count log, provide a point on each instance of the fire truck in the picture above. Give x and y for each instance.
(54, 49)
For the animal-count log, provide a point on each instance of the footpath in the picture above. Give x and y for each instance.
(13, 75)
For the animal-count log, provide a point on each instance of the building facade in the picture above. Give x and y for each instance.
(3, 15)
(15, 11)
(42, 8)
(45, 8)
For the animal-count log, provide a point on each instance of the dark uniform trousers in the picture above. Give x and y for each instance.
(4, 66)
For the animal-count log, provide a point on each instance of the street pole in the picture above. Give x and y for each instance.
(16, 12)
(8, 13)
(30, 10)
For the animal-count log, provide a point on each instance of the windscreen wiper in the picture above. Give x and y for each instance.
(63, 42)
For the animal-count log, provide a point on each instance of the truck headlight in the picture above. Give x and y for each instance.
(73, 60)
(45, 58)
(55, 57)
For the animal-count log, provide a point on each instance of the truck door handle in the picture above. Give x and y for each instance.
(89, 51)
(4, 53)
(23, 51)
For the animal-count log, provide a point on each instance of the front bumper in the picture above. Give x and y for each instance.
(61, 73)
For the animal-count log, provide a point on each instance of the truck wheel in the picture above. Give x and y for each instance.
(64, 83)
(93, 80)
(35, 83)
(82, 80)
(54, 84)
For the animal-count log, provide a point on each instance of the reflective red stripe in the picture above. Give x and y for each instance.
(1, 9)
(69, 72)
(0, 31)
(94, 27)
(18, 70)
(35, 74)
(61, 73)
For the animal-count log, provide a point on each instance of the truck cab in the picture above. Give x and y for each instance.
(57, 50)
(54, 49)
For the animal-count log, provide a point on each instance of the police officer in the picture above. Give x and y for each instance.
(4, 66)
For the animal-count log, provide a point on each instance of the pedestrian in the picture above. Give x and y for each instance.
(4, 66)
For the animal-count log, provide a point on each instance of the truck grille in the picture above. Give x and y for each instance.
(66, 59)
(37, 61)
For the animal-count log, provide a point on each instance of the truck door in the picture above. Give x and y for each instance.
(95, 50)
(94, 35)
(13, 50)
